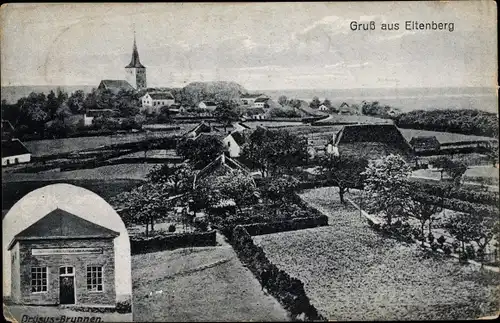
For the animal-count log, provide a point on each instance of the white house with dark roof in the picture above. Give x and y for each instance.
(14, 152)
(260, 102)
(154, 101)
(207, 105)
(249, 99)
(234, 141)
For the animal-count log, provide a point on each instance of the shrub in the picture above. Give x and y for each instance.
(171, 228)
(434, 246)
(447, 250)
(200, 224)
(159, 242)
(441, 240)
(470, 252)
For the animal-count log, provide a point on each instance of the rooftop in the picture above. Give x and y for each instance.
(13, 147)
(60, 224)
(161, 96)
(116, 85)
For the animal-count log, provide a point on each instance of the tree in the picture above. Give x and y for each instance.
(127, 103)
(279, 190)
(315, 103)
(387, 186)
(200, 151)
(344, 171)
(454, 169)
(273, 151)
(327, 103)
(283, 100)
(177, 177)
(235, 186)
(226, 114)
(146, 203)
(422, 211)
(76, 102)
(464, 227)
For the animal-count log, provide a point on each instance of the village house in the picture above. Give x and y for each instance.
(66, 253)
(323, 108)
(153, 102)
(91, 114)
(233, 142)
(256, 114)
(249, 99)
(261, 102)
(207, 105)
(201, 128)
(14, 152)
(220, 166)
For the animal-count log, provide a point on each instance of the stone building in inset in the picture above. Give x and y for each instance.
(65, 245)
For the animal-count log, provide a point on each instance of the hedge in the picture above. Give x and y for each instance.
(458, 205)
(288, 225)
(139, 245)
(287, 290)
(438, 190)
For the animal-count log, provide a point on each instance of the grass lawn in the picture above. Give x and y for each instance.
(199, 284)
(351, 272)
(476, 171)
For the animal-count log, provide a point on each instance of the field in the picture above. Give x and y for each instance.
(351, 272)
(442, 137)
(199, 284)
(58, 146)
(105, 188)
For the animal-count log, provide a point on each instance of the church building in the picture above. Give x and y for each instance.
(136, 72)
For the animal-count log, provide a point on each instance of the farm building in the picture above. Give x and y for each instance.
(207, 105)
(14, 152)
(154, 101)
(7, 130)
(66, 245)
(249, 99)
(427, 144)
(220, 166)
(233, 142)
(372, 141)
(261, 102)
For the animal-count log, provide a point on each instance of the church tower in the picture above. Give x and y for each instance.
(136, 72)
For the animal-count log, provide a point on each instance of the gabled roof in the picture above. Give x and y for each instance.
(135, 62)
(7, 126)
(13, 147)
(220, 164)
(261, 100)
(209, 103)
(344, 104)
(250, 96)
(161, 96)
(202, 127)
(385, 134)
(116, 85)
(238, 137)
(60, 224)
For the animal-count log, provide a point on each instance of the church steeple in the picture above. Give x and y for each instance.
(135, 62)
(135, 71)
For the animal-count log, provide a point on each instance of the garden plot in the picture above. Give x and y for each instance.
(351, 272)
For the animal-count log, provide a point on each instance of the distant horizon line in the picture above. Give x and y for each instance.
(277, 89)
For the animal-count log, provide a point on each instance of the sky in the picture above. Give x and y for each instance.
(258, 45)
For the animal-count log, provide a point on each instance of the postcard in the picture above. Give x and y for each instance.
(253, 161)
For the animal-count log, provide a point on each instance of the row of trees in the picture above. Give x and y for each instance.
(50, 115)
(391, 195)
